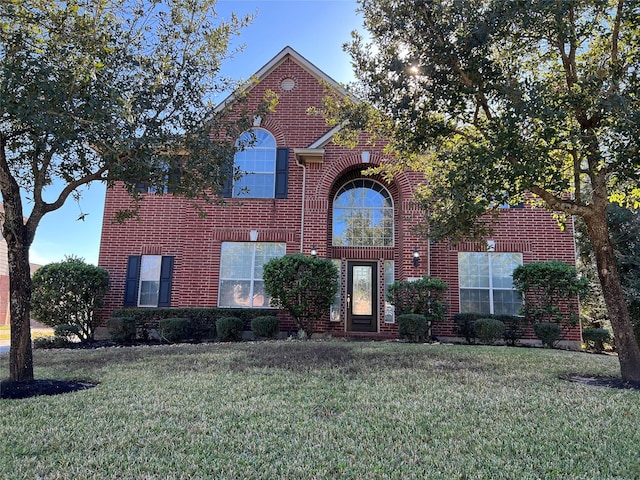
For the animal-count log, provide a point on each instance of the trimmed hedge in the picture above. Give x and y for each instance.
(122, 329)
(596, 338)
(265, 327)
(513, 326)
(548, 333)
(489, 330)
(203, 320)
(230, 329)
(175, 330)
(412, 327)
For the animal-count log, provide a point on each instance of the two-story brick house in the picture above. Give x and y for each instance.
(305, 193)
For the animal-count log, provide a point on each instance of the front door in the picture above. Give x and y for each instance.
(362, 296)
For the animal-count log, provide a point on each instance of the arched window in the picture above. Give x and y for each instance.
(363, 215)
(257, 165)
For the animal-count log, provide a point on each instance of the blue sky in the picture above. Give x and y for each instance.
(316, 29)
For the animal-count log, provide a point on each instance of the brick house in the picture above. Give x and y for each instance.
(307, 193)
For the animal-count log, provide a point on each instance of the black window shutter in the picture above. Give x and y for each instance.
(166, 275)
(282, 172)
(131, 283)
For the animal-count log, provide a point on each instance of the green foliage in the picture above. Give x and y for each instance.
(548, 333)
(122, 329)
(67, 293)
(303, 286)
(495, 101)
(465, 325)
(50, 342)
(424, 296)
(513, 328)
(203, 320)
(266, 327)
(108, 91)
(596, 338)
(230, 329)
(175, 329)
(412, 327)
(67, 332)
(489, 330)
(549, 287)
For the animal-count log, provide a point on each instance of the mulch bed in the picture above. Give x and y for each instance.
(605, 382)
(9, 389)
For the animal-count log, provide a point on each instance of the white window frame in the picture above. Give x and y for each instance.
(238, 192)
(250, 280)
(491, 288)
(149, 274)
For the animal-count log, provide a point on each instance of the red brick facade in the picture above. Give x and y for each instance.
(317, 168)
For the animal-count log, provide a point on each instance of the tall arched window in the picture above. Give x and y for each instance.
(363, 215)
(257, 164)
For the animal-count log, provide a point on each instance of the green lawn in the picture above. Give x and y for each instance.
(312, 410)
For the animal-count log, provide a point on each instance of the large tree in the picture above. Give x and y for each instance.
(104, 90)
(498, 100)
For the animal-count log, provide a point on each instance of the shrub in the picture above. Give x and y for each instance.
(465, 325)
(303, 286)
(548, 333)
(489, 330)
(513, 328)
(412, 327)
(67, 293)
(50, 342)
(424, 296)
(122, 329)
(229, 329)
(596, 338)
(67, 332)
(266, 327)
(175, 329)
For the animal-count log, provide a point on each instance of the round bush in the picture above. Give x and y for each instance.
(175, 329)
(596, 337)
(229, 329)
(548, 333)
(412, 327)
(122, 329)
(489, 330)
(267, 327)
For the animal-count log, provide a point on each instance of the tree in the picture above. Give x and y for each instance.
(67, 293)
(497, 101)
(549, 288)
(624, 229)
(304, 286)
(105, 90)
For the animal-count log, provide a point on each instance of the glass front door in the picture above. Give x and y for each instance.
(362, 296)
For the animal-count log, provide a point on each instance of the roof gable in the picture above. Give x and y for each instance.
(272, 64)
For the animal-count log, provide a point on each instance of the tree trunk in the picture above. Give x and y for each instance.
(20, 354)
(626, 343)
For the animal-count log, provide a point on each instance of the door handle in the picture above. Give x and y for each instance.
(348, 300)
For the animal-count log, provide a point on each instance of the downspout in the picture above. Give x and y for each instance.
(304, 191)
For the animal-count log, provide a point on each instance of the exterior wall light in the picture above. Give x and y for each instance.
(416, 257)
(314, 252)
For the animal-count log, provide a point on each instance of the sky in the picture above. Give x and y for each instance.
(316, 29)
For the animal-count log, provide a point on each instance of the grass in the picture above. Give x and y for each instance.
(312, 410)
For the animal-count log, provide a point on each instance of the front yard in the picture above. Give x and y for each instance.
(304, 410)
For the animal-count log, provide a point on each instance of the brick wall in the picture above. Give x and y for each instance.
(172, 226)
